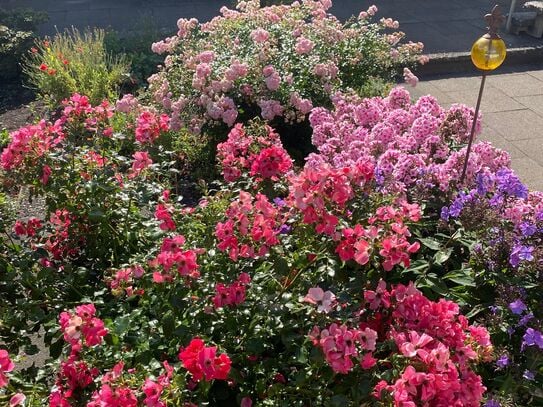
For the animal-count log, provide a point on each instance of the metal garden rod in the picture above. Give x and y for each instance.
(487, 54)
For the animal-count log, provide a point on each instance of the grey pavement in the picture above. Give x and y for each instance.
(512, 109)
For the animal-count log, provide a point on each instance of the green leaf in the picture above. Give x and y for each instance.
(443, 255)
(168, 324)
(462, 277)
(430, 243)
(96, 214)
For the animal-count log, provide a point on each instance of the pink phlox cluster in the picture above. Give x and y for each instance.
(74, 375)
(153, 389)
(77, 109)
(321, 193)
(28, 228)
(410, 144)
(263, 156)
(28, 144)
(202, 361)
(163, 213)
(141, 162)
(233, 294)
(341, 344)
(386, 232)
(150, 125)
(172, 258)
(113, 396)
(252, 227)
(82, 327)
(438, 346)
(60, 242)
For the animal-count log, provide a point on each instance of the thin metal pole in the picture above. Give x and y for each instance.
(510, 16)
(474, 124)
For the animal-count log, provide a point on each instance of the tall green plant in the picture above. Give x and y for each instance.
(75, 62)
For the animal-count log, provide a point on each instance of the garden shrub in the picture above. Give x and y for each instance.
(340, 283)
(17, 32)
(75, 62)
(274, 62)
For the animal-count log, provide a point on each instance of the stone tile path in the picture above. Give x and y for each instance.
(512, 111)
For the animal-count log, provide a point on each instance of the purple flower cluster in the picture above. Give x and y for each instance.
(532, 337)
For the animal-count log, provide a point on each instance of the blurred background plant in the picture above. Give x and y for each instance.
(136, 45)
(75, 61)
(17, 32)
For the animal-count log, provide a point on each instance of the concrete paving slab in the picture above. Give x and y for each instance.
(516, 84)
(494, 100)
(536, 74)
(529, 172)
(516, 125)
(498, 141)
(533, 148)
(457, 84)
(534, 103)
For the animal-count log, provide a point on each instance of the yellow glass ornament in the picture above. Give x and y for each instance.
(488, 53)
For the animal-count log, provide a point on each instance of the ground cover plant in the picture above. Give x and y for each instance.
(370, 275)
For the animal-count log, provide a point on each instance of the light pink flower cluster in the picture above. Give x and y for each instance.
(321, 193)
(233, 294)
(127, 104)
(409, 144)
(324, 300)
(251, 229)
(173, 260)
(259, 152)
(341, 344)
(386, 232)
(123, 279)
(229, 64)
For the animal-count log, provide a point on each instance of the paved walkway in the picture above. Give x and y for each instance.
(512, 109)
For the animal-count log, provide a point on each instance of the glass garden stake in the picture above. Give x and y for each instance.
(487, 54)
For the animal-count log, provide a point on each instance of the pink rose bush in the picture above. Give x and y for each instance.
(217, 72)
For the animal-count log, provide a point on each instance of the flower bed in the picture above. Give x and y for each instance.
(370, 275)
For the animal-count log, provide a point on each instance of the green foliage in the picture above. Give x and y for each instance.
(136, 45)
(75, 62)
